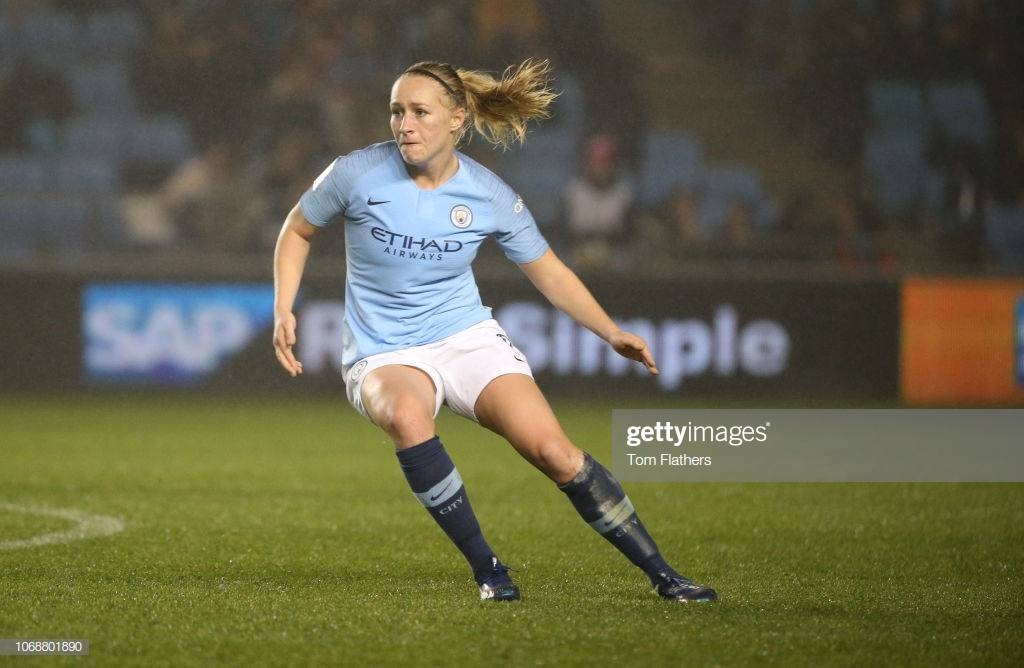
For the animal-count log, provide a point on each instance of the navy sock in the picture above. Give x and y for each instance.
(436, 483)
(602, 503)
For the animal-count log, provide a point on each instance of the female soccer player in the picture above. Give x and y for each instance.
(416, 334)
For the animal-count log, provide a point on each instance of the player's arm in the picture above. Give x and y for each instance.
(289, 262)
(563, 288)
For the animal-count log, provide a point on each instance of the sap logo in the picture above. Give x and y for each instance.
(167, 333)
(683, 348)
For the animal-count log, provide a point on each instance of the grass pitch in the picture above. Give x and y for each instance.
(283, 534)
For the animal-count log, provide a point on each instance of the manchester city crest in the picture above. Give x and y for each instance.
(356, 371)
(462, 216)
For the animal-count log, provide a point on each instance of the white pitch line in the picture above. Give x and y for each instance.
(87, 526)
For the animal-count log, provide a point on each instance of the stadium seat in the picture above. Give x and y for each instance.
(103, 88)
(160, 141)
(82, 175)
(540, 169)
(670, 160)
(8, 46)
(108, 136)
(111, 33)
(935, 189)
(896, 166)
(1004, 235)
(961, 112)
(714, 208)
(20, 225)
(21, 174)
(108, 221)
(49, 39)
(732, 183)
(568, 108)
(712, 212)
(897, 105)
(65, 222)
(767, 213)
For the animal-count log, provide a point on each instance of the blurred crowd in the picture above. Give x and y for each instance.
(820, 57)
(269, 92)
(930, 86)
(273, 91)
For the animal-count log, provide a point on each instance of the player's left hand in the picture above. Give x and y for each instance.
(634, 347)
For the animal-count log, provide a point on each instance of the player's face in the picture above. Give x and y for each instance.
(421, 121)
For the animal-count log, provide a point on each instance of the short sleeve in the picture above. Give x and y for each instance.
(331, 193)
(516, 231)
(328, 196)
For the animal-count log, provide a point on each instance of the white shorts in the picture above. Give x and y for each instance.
(460, 366)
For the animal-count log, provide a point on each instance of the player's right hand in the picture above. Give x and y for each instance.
(284, 342)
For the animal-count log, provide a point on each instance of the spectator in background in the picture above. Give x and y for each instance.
(962, 39)
(840, 34)
(767, 32)
(861, 241)
(33, 104)
(503, 35)
(614, 101)
(964, 199)
(1008, 187)
(737, 239)
(206, 68)
(598, 206)
(439, 32)
(671, 234)
(686, 233)
(212, 201)
(907, 47)
(292, 100)
(161, 67)
(283, 177)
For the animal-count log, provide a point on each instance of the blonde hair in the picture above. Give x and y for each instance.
(498, 109)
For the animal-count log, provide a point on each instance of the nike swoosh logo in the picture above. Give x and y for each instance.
(372, 202)
(609, 523)
(439, 494)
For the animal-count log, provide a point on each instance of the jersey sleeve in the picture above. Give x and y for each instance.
(331, 193)
(516, 231)
(328, 196)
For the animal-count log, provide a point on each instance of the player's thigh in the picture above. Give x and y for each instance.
(401, 400)
(514, 407)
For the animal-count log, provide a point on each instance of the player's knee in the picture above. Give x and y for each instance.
(406, 420)
(556, 457)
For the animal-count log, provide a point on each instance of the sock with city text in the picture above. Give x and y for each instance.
(602, 503)
(436, 483)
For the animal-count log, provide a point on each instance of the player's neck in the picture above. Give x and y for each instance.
(435, 173)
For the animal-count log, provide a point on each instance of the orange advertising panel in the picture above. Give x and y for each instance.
(962, 341)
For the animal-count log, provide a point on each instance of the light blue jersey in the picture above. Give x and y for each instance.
(408, 251)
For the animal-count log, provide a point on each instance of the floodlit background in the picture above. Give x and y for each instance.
(799, 203)
(751, 184)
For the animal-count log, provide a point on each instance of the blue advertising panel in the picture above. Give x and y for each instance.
(168, 334)
(1020, 342)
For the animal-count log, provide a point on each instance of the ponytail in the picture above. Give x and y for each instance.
(498, 109)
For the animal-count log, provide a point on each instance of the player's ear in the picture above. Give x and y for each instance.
(458, 118)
